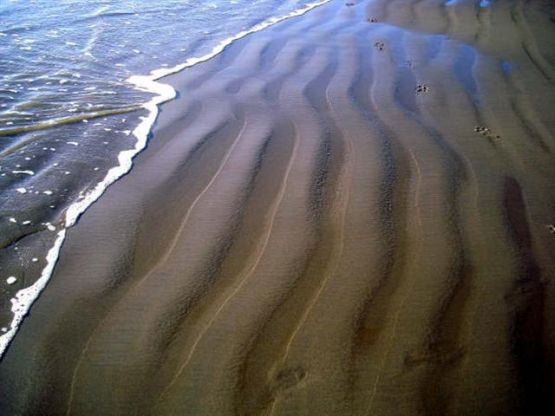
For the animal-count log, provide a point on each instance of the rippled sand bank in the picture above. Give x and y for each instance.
(351, 212)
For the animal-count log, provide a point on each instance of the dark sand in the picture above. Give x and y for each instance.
(349, 213)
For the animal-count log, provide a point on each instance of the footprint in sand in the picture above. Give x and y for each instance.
(288, 378)
(379, 45)
(421, 88)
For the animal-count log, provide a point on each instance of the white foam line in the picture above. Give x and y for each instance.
(23, 300)
(159, 73)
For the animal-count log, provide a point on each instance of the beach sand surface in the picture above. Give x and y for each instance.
(349, 213)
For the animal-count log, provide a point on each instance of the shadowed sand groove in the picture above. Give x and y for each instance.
(343, 190)
(255, 395)
(351, 212)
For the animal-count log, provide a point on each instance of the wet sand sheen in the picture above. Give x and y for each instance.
(350, 212)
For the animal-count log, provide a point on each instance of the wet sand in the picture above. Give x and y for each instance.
(349, 213)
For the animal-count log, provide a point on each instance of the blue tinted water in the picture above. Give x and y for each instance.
(67, 58)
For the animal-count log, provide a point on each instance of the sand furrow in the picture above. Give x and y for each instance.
(337, 200)
(529, 44)
(300, 58)
(370, 315)
(442, 349)
(255, 392)
(527, 300)
(454, 172)
(446, 342)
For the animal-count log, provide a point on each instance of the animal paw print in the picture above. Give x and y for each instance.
(420, 88)
(551, 228)
(379, 45)
(484, 131)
